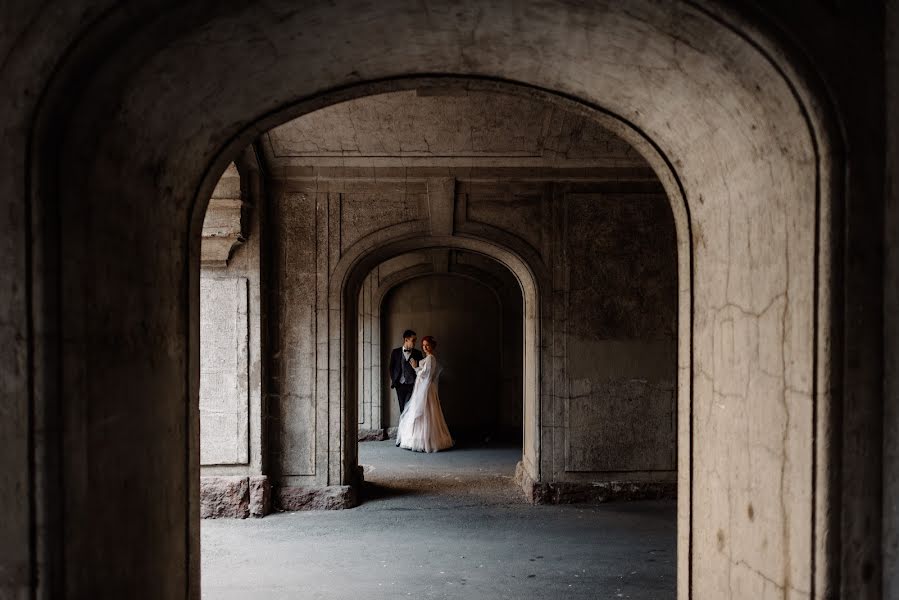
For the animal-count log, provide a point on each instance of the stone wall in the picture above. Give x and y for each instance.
(618, 292)
(297, 406)
(232, 423)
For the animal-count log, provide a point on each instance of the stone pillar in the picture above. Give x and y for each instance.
(233, 476)
(891, 314)
(370, 419)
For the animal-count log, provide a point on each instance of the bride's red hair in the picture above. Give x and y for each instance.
(430, 340)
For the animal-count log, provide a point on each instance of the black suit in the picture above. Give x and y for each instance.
(398, 368)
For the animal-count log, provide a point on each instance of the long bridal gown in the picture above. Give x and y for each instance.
(422, 427)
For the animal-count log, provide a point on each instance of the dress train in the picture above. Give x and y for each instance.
(422, 427)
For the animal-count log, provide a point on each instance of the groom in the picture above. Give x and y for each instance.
(402, 373)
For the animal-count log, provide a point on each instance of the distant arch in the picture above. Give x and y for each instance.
(347, 278)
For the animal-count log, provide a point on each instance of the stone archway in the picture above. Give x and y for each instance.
(376, 406)
(722, 104)
(512, 205)
(345, 285)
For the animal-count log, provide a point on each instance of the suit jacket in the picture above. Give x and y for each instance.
(396, 365)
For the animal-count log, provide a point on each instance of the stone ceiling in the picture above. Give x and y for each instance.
(436, 128)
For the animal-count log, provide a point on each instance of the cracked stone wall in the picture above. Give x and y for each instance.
(618, 295)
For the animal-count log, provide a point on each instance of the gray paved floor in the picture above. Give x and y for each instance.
(447, 525)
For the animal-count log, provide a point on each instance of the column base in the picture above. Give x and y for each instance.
(332, 497)
(568, 492)
(372, 435)
(234, 497)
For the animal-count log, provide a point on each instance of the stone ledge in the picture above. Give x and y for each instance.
(566, 492)
(234, 497)
(332, 497)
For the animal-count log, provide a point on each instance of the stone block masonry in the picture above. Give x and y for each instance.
(224, 496)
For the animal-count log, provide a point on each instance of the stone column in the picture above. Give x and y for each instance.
(234, 481)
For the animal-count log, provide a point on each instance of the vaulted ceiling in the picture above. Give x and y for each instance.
(438, 127)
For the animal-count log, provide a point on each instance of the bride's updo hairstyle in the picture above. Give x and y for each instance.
(430, 340)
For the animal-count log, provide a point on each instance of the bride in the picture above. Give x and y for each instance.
(422, 427)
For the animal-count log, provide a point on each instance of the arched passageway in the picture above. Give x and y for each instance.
(717, 108)
(573, 216)
(466, 318)
(473, 306)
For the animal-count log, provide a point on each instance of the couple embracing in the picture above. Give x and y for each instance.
(414, 376)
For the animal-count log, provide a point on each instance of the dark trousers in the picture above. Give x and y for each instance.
(403, 392)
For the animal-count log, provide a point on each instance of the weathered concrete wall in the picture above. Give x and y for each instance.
(294, 412)
(619, 297)
(610, 375)
(891, 312)
(224, 370)
(313, 224)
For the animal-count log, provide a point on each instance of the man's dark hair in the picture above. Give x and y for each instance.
(408, 333)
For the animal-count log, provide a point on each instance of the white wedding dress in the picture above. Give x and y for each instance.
(422, 427)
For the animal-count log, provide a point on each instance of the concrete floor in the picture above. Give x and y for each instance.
(447, 525)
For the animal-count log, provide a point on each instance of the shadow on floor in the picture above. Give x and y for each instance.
(379, 491)
(467, 473)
